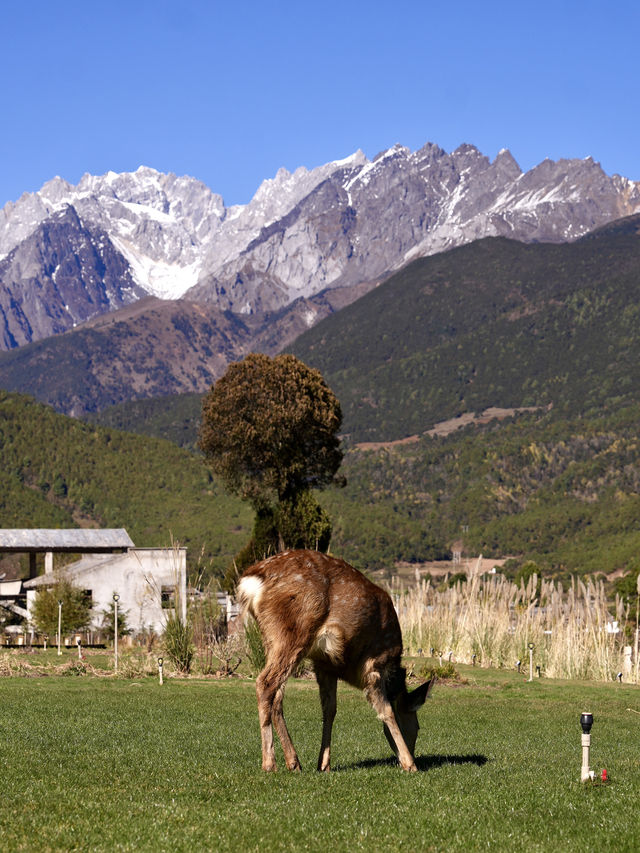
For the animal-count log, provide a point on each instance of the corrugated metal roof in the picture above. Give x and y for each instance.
(80, 540)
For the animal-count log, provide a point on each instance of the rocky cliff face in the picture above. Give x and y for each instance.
(346, 224)
(62, 275)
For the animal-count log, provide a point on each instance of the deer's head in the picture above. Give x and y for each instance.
(405, 708)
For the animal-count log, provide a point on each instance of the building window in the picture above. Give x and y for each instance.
(168, 597)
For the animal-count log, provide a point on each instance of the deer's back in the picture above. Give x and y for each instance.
(344, 623)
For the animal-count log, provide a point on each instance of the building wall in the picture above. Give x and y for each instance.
(138, 577)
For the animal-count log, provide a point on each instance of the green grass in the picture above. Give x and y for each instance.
(109, 764)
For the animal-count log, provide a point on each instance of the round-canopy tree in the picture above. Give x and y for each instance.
(76, 608)
(269, 430)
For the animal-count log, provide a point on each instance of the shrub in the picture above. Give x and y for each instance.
(446, 672)
(255, 646)
(178, 643)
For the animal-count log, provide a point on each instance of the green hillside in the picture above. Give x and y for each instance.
(58, 472)
(494, 323)
(176, 418)
(565, 494)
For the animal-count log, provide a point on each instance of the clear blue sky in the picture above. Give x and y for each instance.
(230, 91)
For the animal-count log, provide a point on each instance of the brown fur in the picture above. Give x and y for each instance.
(311, 605)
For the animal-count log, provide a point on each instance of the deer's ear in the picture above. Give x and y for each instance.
(417, 697)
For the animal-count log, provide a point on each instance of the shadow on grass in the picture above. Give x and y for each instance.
(423, 762)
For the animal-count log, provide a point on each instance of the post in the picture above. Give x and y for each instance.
(78, 643)
(59, 624)
(627, 666)
(160, 662)
(531, 647)
(116, 598)
(586, 721)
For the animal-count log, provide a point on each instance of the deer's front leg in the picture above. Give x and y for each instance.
(328, 686)
(384, 710)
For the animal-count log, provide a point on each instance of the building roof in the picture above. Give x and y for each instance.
(90, 563)
(74, 541)
(72, 570)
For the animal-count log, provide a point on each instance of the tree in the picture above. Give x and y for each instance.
(76, 608)
(269, 430)
(109, 620)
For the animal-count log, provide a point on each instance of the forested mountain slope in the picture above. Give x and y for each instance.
(495, 323)
(565, 494)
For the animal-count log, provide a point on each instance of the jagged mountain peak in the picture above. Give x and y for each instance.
(348, 222)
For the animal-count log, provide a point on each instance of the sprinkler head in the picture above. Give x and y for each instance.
(586, 721)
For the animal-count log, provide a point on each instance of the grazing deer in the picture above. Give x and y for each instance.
(311, 605)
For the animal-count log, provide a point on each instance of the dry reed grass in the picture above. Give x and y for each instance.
(495, 620)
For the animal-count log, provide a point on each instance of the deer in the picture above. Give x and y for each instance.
(312, 605)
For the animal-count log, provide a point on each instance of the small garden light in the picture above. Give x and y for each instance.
(59, 624)
(531, 648)
(160, 662)
(619, 677)
(116, 599)
(586, 721)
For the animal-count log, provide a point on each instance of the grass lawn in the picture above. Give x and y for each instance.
(113, 764)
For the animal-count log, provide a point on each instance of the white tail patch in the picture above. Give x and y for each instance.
(249, 593)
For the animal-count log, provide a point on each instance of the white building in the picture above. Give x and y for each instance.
(148, 581)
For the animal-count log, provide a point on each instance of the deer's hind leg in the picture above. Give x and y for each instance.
(270, 691)
(290, 756)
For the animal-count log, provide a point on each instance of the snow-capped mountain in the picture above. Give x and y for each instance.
(349, 222)
(172, 230)
(367, 219)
